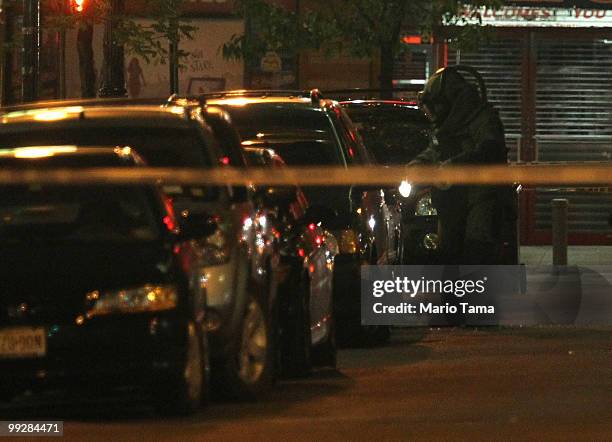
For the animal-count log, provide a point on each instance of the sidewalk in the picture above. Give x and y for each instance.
(576, 255)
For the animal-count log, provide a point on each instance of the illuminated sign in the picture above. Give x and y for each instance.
(528, 16)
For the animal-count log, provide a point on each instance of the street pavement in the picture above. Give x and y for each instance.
(542, 383)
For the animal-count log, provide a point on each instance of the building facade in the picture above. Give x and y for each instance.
(548, 68)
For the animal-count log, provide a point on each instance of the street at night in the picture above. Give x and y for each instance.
(547, 383)
(317, 220)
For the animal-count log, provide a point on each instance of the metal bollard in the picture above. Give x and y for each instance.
(559, 231)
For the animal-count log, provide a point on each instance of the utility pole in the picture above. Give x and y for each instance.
(113, 76)
(31, 50)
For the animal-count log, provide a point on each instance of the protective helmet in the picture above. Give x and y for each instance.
(447, 92)
(440, 92)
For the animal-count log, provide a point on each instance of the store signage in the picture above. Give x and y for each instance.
(271, 62)
(529, 16)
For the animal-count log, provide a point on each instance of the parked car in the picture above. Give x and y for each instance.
(309, 130)
(396, 131)
(308, 252)
(99, 286)
(240, 292)
(305, 254)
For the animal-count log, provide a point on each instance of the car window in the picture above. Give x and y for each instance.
(307, 152)
(74, 214)
(393, 135)
(278, 120)
(159, 146)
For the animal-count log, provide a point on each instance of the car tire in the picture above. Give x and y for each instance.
(326, 354)
(250, 372)
(296, 338)
(188, 390)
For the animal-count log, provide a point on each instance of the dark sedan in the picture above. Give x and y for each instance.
(239, 282)
(98, 295)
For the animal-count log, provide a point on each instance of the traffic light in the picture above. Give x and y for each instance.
(77, 5)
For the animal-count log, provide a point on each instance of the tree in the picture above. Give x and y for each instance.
(156, 40)
(362, 28)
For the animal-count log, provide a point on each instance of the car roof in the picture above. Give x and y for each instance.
(59, 111)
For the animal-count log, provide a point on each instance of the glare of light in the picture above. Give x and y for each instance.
(359, 211)
(123, 151)
(248, 143)
(405, 189)
(78, 5)
(178, 110)
(260, 135)
(372, 222)
(248, 222)
(51, 115)
(236, 101)
(38, 151)
(263, 221)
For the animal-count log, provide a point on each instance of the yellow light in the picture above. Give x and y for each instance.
(38, 151)
(236, 101)
(177, 110)
(123, 151)
(348, 242)
(79, 5)
(54, 114)
(151, 296)
(50, 116)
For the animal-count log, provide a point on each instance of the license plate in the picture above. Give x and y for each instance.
(23, 342)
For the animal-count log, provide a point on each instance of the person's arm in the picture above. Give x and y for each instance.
(430, 155)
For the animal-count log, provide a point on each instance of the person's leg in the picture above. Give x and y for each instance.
(482, 242)
(452, 216)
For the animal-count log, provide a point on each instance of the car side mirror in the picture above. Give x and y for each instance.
(198, 225)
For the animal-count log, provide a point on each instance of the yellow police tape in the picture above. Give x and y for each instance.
(531, 174)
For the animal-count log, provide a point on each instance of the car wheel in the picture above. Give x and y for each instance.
(296, 339)
(189, 390)
(250, 372)
(326, 354)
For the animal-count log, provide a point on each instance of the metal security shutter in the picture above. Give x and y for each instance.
(499, 63)
(574, 123)
(587, 213)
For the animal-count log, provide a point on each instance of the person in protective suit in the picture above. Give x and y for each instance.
(466, 130)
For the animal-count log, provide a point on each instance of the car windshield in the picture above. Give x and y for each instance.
(160, 147)
(256, 119)
(393, 135)
(76, 214)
